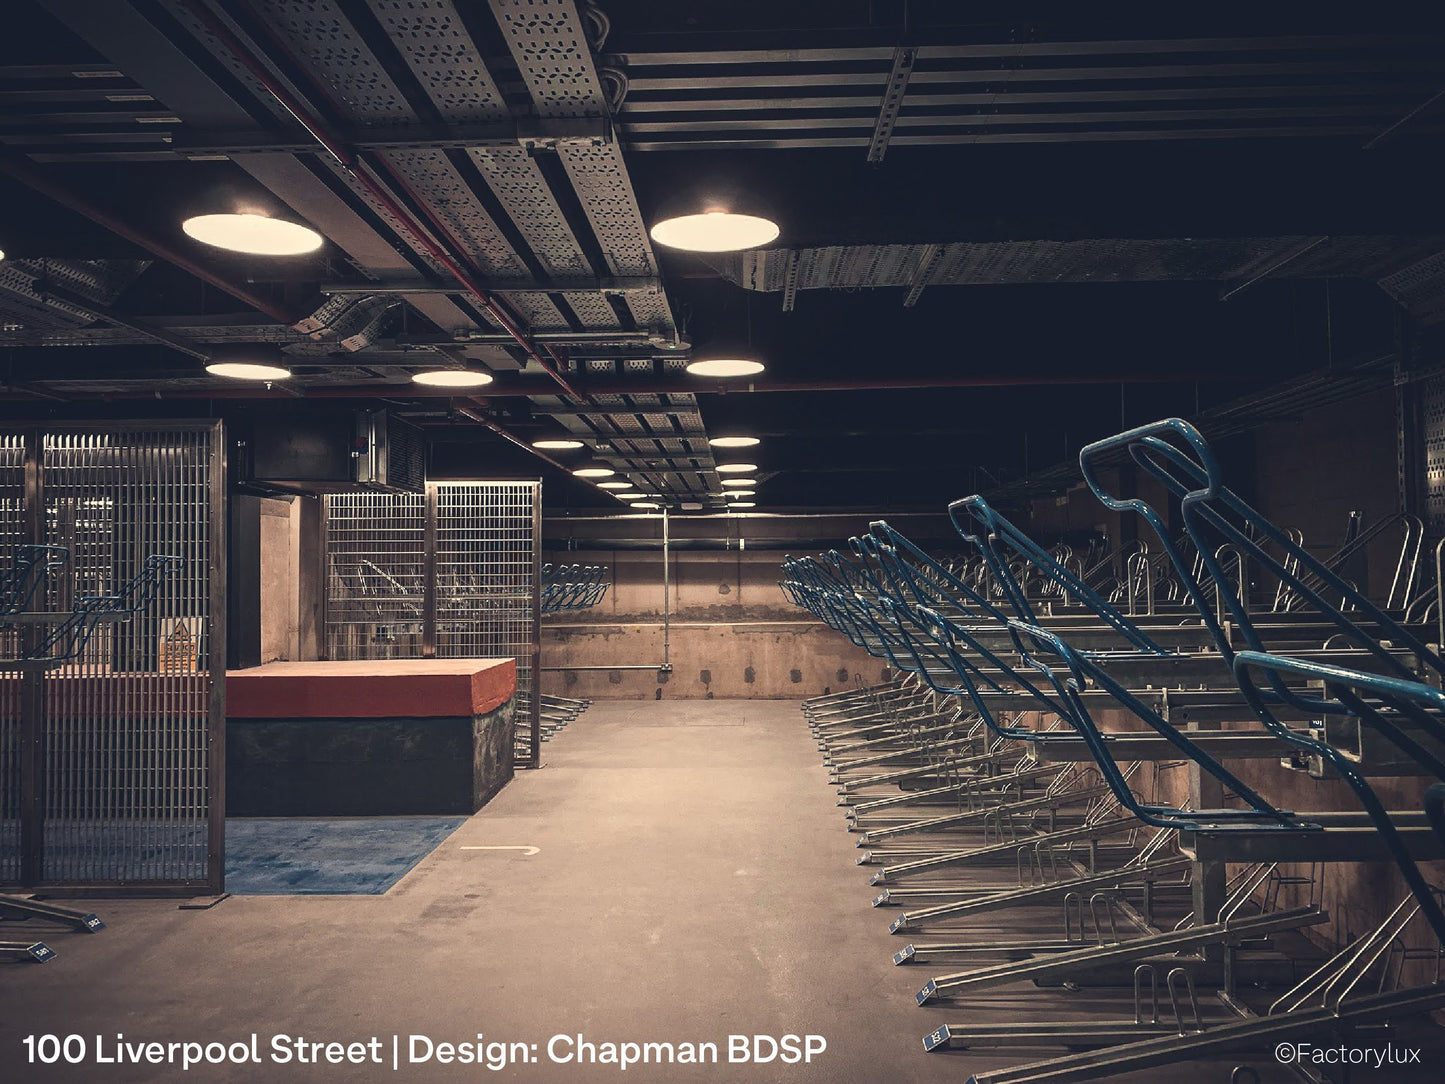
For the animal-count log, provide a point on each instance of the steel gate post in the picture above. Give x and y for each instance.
(216, 657)
(429, 573)
(535, 693)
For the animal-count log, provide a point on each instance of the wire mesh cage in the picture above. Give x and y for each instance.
(453, 574)
(112, 671)
(375, 557)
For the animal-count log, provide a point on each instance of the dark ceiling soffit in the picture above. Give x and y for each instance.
(48, 186)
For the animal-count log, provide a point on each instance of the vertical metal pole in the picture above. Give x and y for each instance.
(323, 572)
(1210, 878)
(32, 690)
(535, 692)
(666, 595)
(216, 752)
(429, 573)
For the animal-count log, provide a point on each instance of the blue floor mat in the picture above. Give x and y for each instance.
(341, 856)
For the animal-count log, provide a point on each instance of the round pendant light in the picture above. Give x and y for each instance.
(556, 445)
(594, 472)
(733, 442)
(254, 234)
(725, 367)
(736, 468)
(714, 231)
(452, 378)
(614, 485)
(247, 370)
(742, 504)
(746, 483)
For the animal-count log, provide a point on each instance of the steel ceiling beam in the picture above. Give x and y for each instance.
(1000, 50)
(640, 104)
(647, 284)
(800, 76)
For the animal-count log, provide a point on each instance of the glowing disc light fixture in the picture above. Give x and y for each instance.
(248, 361)
(736, 468)
(452, 378)
(715, 231)
(734, 442)
(746, 483)
(614, 485)
(556, 445)
(594, 472)
(254, 234)
(742, 504)
(725, 367)
(247, 370)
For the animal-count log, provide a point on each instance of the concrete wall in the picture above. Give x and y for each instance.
(732, 632)
(1311, 471)
(279, 574)
(290, 585)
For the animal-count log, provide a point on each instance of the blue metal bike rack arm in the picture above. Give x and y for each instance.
(1083, 672)
(1380, 687)
(1207, 505)
(885, 535)
(997, 531)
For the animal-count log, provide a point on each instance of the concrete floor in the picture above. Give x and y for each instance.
(694, 881)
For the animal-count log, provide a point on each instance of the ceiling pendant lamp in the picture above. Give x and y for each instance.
(253, 361)
(452, 378)
(247, 370)
(556, 445)
(725, 367)
(734, 442)
(254, 234)
(714, 231)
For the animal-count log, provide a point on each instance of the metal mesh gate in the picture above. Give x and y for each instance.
(116, 691)
(375, 553)
(450, 575)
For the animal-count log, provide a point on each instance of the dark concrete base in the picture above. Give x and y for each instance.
(367, 767)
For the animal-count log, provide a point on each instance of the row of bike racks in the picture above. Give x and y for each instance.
(1094, 776)
(558, 711)
(34, 915)
(568, 587)
(572, 587)
(58, 636)
(393, 600)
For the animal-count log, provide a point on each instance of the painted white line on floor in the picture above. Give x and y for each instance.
(525, 850)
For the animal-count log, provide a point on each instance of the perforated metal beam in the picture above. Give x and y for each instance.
(549, 44)
(904, 58)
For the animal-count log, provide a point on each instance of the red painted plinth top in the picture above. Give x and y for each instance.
(390, 688)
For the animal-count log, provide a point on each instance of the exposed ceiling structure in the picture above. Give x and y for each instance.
(1001, 236)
